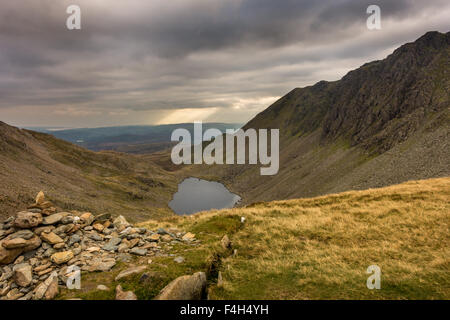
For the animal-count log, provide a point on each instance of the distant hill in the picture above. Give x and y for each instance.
(79, 179)
(129, 139)
(383, 123)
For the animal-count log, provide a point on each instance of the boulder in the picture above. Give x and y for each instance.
(51, 238)
(27, 220)
(185, 288)
(52, 219)
(8, 256)
(61, 257)
(14, 243)
(130, 272)
(98, 227)
(139, 251)
(87, 218)
(24, 234)
(23, 274)
(120, 222)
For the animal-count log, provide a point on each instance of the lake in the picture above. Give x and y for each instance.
(196, 195)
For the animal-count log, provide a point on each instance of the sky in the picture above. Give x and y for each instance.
(159, 61)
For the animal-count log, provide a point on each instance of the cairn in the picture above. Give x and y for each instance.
(40, 246)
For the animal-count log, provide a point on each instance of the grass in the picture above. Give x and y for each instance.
(314, 248)
(320, 248)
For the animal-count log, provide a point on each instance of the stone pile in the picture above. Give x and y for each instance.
(38, 246)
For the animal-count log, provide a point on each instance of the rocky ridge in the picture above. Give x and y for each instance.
(39, 248)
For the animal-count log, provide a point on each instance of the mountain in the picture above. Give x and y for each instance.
(383, 123)
(129, 139)
(79, 179)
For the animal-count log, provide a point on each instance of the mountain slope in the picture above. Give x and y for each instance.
(384, 123)
(320, 248)
(79, 179)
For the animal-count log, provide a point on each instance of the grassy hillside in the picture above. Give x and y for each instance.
(79, 179)
(320, 248)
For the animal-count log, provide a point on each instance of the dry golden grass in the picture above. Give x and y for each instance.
(320, 248)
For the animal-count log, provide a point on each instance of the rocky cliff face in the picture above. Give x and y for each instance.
(383, 123)
(375, 106)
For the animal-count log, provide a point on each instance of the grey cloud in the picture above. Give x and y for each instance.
(161, 55)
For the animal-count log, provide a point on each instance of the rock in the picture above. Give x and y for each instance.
(49, 252)
(48, 211)
(39, 291)
(102, 287)
(40, 198)
(162, 231)
(27, 220)
(42, 267)
(50, 284)
(74, 239)
(120, 222)
(132, 243)
(112, 244)
(51, 238)
(62, 257)
(225, 242)
(23, 274)
(14, 243)
(95, 237)
(52, 288)
(7, 256)
(139, 251)
(40, 230)
(33, 243)
(52, 219)
(14, 294)
(102, 218)
(124, 295)
(59, 246)
(98, 226)
(24, 234)
(149, 261)
(154, 237)
(166, 238)
(103, 265)
(87, 218)
(179, 259)
(67, 220)
(188, 236)
(130, 272)
(19, 260)
(185, 288)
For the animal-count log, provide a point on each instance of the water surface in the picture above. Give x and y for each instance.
(196, 195)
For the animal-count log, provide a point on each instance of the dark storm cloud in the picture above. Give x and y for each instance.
(161, 55)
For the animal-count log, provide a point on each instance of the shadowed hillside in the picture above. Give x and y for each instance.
(79, 179)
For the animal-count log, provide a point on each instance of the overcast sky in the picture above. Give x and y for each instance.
(171, 61)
